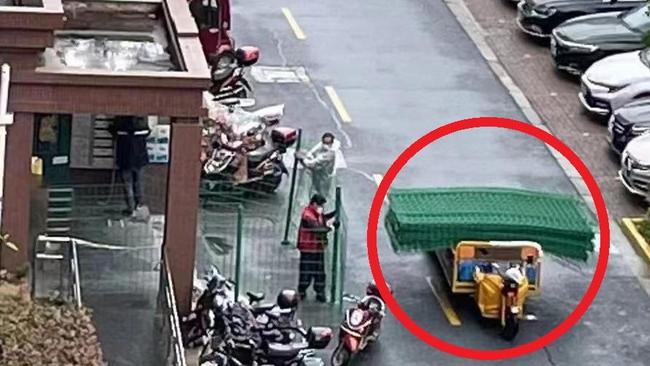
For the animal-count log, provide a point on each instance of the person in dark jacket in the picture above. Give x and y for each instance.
(131, 156)
(312, 242)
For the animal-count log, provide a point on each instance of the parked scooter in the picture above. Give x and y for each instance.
(250, 334)
(361, 325)
(266, 144)
(228, 73)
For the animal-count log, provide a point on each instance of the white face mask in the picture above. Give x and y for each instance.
(320, 210)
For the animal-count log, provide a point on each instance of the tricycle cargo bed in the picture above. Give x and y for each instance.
(433, 219)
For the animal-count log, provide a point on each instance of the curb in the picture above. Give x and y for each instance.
(628, 225)
(477, 34)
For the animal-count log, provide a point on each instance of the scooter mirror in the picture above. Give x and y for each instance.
(349, 298)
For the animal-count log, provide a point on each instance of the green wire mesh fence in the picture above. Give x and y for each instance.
(242, 230)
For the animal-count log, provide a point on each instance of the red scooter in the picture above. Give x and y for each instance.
(361, 325)
(228, 73)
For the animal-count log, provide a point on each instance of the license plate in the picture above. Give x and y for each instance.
(553, 47)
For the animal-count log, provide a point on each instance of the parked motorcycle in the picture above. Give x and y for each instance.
(265, 144)
(228, 73)
(361, 325)
(215, 294)
(255, 335)
(254, 351)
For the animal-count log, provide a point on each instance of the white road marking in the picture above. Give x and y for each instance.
(338, 104)
(279, 74)
(612, 248)
(377, 178)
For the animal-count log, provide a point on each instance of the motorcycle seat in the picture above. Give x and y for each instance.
(286, 351)
(255, 296)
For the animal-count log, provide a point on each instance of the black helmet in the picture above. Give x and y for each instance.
(287, 299)
(373, 290)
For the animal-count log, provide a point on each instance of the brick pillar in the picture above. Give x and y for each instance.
(17, 187)
(183, 206)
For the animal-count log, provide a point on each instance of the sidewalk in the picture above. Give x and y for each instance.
(119, 283)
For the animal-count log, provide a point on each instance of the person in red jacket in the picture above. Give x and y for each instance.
(312, 242)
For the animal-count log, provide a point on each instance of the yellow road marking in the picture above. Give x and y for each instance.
(449, 311)
(294, 24)
(338, 104)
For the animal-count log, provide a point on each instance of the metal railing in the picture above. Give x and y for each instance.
(172, 343)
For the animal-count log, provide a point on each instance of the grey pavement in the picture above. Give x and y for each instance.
(403, 68)
(119, 282)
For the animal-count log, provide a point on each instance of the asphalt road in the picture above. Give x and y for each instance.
(402, 69)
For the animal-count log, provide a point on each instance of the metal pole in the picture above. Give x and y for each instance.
(77, 280)
(335, 247)
(292, 191)
(238, 253)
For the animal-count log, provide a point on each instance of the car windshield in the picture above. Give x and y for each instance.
(638, 19)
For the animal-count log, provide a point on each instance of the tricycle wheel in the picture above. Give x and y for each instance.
(511, 327)
(341, 356)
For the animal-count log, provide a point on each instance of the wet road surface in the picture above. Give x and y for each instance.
(402, 69)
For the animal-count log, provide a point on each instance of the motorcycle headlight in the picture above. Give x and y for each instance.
(356, 318)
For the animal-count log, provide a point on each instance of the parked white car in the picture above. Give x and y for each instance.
(635, 165)
(615, 81)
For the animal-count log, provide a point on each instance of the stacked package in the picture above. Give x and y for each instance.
(439, 218)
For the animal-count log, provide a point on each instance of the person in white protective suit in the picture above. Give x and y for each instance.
(320, 161)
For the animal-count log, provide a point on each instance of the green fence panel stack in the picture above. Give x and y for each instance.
(438, 218)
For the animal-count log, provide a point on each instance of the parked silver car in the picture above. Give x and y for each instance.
(635, 165)
(615, 81)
